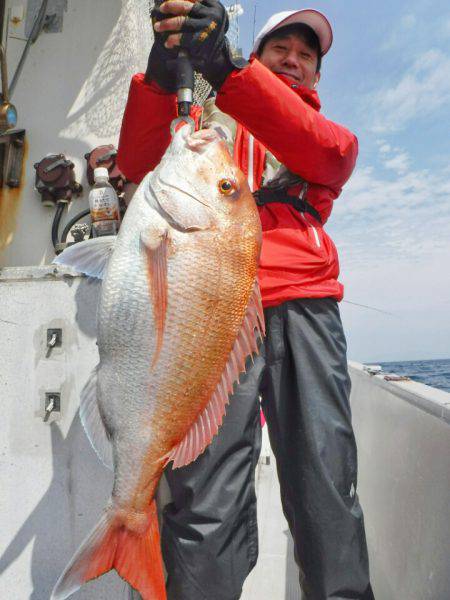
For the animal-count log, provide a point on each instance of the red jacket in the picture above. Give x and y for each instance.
(298, 259)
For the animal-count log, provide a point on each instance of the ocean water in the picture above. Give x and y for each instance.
(430, 372)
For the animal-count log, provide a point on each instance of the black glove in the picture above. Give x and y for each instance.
(203, 35)
(161, 61)
(217, 68)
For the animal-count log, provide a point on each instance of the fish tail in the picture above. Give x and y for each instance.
(128, 543)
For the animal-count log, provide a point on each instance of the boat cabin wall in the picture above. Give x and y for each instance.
(70, 99)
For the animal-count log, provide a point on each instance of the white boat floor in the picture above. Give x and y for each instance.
(275, 576)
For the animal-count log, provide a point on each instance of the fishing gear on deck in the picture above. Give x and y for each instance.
(56, 183)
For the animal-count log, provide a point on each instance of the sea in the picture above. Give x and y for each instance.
(430, 372)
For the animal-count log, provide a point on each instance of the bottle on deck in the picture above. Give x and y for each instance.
(104, 205)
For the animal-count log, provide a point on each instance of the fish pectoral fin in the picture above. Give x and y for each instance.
(155, 243)
(90, 257)
(92, 422)
(155, 235)
(210, 419)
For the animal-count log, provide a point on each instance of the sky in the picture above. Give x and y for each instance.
(387, 78)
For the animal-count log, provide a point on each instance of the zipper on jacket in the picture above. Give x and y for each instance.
(303, 216)
(251, 163)
(310, 225)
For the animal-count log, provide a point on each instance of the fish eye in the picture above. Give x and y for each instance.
(227, 187)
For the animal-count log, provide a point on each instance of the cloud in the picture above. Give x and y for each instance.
(408, 21)
(418, 297)
(399, 215)
(392, 231)
(445, 27)
(399, 36)
(400, 162)
(422, 90)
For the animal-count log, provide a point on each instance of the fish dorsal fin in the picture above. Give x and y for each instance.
(90, 257)
(92, 421)
(207, 424)
(156, 246)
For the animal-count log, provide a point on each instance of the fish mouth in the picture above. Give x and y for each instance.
(198, 141)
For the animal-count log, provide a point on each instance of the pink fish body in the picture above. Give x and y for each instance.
(179, 314)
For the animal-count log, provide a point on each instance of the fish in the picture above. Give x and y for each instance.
(179, 314)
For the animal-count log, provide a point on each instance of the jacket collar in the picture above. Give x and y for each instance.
(311, 97)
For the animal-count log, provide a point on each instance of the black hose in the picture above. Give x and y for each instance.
(55, 226)
(72, 222)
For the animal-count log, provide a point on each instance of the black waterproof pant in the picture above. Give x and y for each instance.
(209, 536)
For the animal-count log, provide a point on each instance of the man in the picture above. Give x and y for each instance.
(298, 160)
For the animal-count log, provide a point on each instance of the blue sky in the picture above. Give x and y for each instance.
(387, 78)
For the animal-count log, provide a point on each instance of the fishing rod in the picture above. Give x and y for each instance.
(184, 83)
(378, 310)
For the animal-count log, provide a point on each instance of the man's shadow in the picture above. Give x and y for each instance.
(72, 505)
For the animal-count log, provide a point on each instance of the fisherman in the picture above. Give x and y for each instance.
(296, 161)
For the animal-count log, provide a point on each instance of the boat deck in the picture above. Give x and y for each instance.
(56, 488)
(276, 574)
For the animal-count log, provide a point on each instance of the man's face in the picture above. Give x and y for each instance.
(292, 57)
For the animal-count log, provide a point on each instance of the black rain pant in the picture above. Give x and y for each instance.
(209, 535)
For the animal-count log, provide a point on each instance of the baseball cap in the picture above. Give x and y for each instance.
(315, 19)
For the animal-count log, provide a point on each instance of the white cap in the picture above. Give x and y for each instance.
(101, 172)
(315, 19)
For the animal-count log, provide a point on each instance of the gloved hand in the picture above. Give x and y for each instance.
(201, 28)
(161, 65)
(219, 65)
